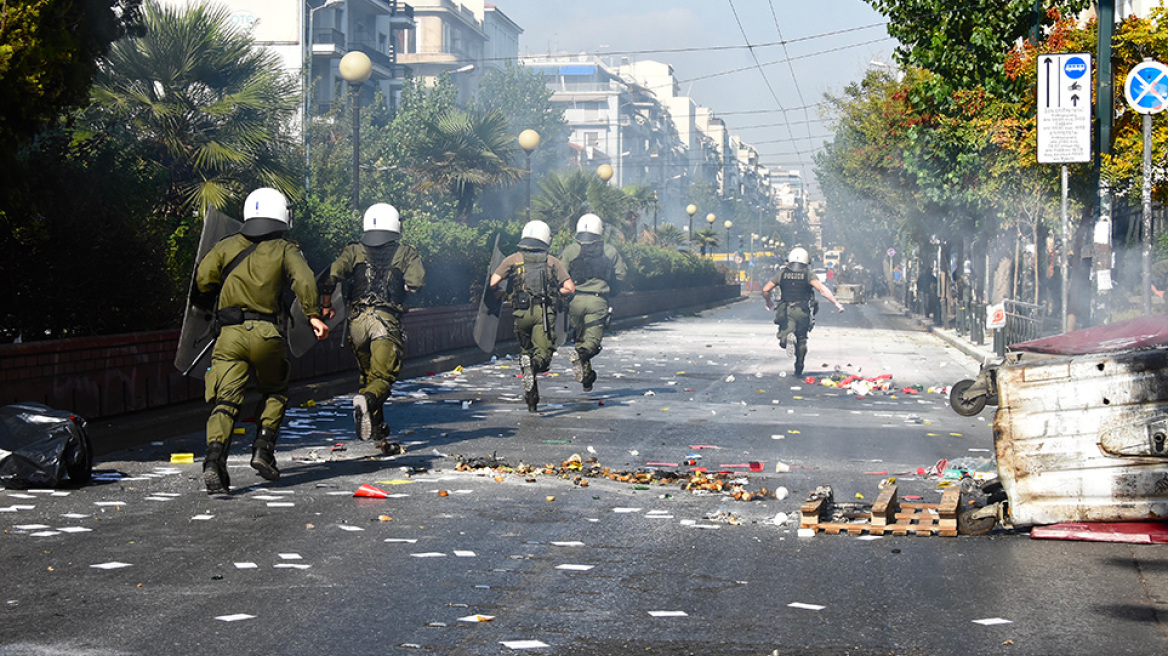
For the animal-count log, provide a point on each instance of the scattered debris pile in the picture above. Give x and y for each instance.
(579, 470)
(889, 515)
(862, 386)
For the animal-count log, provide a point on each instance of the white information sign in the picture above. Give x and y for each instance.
(1064, 108)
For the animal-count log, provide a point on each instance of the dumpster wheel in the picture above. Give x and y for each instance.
(969, 524)
(963, 405)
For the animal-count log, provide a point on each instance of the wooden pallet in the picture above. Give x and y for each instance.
(888, 516)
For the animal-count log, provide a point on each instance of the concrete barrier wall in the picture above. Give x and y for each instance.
(103, 376)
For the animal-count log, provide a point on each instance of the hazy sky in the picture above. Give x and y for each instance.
(825, 48)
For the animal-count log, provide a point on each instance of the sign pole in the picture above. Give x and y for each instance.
(1147, 211)
(1146, 90)
(1064, 255)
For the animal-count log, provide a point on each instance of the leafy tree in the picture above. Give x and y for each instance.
(73, 211)
(48, 55)
(462, 152)
(524, 99)
(196, 100)
(965, 43)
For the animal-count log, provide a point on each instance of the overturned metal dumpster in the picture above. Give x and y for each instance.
(1081, 430)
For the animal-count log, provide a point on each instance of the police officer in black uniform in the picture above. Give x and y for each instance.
(794, 309)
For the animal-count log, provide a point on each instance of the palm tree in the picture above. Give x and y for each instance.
(462, 152)
(642, 201)
(201, 105)
(669, 236)
(707, 238)
(562, 198)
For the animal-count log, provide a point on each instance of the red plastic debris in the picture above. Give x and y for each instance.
(1134, 532)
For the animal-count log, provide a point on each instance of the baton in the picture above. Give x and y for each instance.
(199, 357)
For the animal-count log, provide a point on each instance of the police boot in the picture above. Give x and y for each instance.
(263, 455)
(527, 367)
(589, 378)
(576, 357)
(361, 419)
(532, 398)
(215, 469)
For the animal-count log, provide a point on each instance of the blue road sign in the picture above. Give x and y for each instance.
(1147, 87)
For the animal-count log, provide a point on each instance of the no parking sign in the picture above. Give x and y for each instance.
(1146, 87)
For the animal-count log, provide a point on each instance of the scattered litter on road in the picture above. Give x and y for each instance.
(668, 613)
(992, 621)
(523, 644)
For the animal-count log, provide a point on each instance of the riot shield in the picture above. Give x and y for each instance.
(299, 332)
(193, 356)
(486, 327)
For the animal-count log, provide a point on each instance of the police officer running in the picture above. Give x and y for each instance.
(538, 280)
(242, 277)
(380, 270)
(793, 312)
(596, 269)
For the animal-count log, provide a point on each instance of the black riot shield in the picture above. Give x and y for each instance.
(486, 327)
(299, 335)
(197, 338)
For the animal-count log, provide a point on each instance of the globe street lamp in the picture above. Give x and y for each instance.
(356, 68)
(710, 218)
(604, 172)
(691, 209)
(529, 141)
(728, 224)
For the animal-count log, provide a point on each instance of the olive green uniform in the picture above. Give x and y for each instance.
(375, 304)
(596, 275)
(248, 308)
(530, 305)
(793, 311)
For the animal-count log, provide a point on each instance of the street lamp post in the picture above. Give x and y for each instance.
(691, 209)
(308, 87)
(728, 225)
(529, 141)
(356, 68)
(710, 218)
(604, 172)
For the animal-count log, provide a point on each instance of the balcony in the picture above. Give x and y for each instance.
(401, 15)
(378, 57)
(328, 36)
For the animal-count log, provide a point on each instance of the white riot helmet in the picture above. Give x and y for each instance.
(536, 236)
(264, 212)
(799, 255)
(382, 225)
(589, 229)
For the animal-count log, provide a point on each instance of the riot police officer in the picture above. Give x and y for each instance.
(794, 309)
(242, 278)
(596, 269)
(538, 281)
(380, 271)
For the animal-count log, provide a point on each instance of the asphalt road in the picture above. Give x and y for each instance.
(143, 562)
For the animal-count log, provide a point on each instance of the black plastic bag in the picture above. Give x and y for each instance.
(42, 447)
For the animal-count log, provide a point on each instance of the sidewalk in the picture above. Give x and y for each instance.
(979, 352)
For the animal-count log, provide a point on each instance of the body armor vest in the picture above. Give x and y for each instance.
(377, 283)
(795, 285)
(531, 277)
(591, 264)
